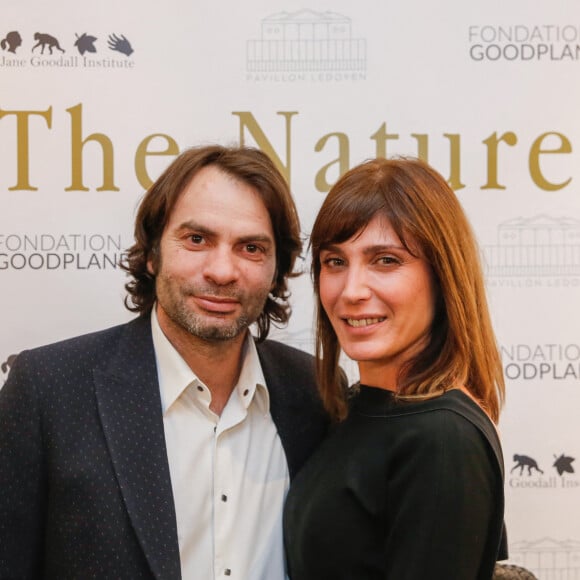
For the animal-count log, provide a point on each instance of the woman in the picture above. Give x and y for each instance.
(409, 486)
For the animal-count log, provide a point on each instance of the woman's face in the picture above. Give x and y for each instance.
(380, 300)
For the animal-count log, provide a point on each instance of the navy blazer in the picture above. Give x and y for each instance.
(85, 489)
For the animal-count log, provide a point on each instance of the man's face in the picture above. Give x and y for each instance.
(217, 260)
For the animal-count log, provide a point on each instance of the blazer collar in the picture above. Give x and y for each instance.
(285, 406)
(129, 406)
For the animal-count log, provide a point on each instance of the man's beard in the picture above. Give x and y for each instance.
(175, 306)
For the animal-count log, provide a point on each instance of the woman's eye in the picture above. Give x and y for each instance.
(388, 260)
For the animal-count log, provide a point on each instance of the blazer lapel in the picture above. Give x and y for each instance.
(294, 402)
(129, 405)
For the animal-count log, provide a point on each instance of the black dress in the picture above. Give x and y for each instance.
(400, 491)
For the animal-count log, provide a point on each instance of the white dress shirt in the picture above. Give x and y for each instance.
(228, 473)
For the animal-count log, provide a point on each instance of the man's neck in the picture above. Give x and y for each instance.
(216, 363)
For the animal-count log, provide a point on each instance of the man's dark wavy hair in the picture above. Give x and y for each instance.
(247, 165)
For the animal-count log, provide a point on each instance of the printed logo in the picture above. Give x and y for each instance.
(523, 461)
(85, 43)
(61, 251)
(306, 46)
(46, 40)
(536, 251)
(548, 558)
(120, 44)
(47, 51)
(5, 368)
(11, 41)
(550, 361)
(563, 464)
(523, 42)
(528, 473)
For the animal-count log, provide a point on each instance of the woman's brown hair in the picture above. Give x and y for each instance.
(428, 219)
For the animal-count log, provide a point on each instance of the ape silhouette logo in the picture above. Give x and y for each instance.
(44, 40)
(523, 461)
(562, 464)
(5, 367)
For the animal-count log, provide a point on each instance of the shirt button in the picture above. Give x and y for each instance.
(227, 572)
(199, 388)
(246, 392)
(224, 497)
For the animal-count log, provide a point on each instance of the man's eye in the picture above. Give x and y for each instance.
(196, 238)
(333, 262)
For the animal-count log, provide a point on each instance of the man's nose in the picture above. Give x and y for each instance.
(221, 266)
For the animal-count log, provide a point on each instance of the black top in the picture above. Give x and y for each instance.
(400, 491)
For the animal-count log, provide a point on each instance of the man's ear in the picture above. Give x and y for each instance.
(153, 261)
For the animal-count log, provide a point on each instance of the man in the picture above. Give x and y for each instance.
(163, 448)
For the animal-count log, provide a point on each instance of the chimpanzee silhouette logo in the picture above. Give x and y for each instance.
(523, 461)
(6, 366)
(46, 40)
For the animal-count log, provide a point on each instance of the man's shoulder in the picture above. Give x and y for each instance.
(274, 348)
(85, 345)
(284, 362)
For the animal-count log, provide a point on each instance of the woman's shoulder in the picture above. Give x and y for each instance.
(453, 419)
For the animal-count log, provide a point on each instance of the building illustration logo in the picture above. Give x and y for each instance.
(547, 558)
(540, 246)
(306, 45)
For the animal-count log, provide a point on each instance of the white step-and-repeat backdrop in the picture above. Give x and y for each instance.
(97, 98)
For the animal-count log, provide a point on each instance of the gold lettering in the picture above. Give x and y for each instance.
(142, 153)
(247, 120)
(454, 161)
(422, 146)
(77, 145)
(534, 162)
(492, 142)
(380, 137)
(22, 142)
(321, 182)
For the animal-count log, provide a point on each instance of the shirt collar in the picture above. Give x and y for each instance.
(175, 375)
